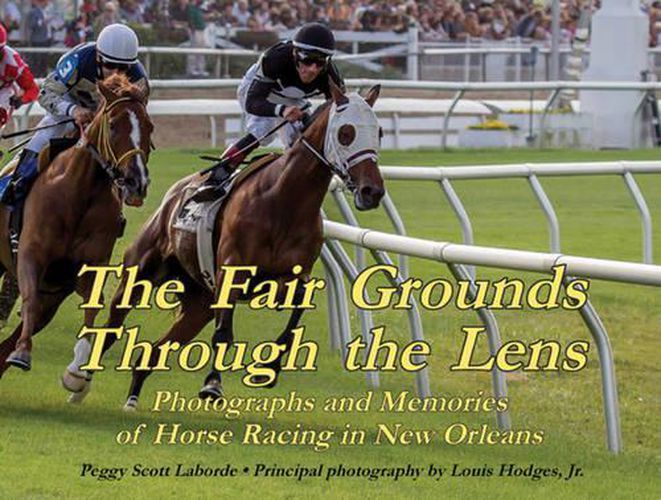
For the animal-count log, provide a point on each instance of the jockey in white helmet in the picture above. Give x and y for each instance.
(70, 91)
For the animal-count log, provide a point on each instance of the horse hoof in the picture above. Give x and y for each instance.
(75, 383)
(260, 380)
(212, 391)
(131, 404)
(77, 397)
(20, 359)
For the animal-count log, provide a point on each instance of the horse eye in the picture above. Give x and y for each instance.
(346, 134)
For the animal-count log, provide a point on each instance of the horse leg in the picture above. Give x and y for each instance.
(8, 296)
(73, 379)
(194, 315)
(150, 267)
(51, 303)
(286, 337)
(223, 334)
(30, 270)
(7, 346)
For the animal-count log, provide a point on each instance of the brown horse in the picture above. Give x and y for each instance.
(73, 213)
(272, 220)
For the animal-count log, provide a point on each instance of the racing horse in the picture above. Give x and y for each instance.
(272, 220)
(73, 213)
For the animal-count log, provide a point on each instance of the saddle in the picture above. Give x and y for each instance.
(199, 218)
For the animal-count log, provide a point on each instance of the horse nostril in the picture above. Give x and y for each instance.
(366, 192)
(131, 183)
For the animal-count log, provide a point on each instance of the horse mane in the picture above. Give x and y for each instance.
(121, 86)
(315, 114)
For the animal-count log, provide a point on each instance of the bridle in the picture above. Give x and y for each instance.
(103, 152)
(341, 164)
(342, 174)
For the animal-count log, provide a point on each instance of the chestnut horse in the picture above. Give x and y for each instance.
(73, 213)
(272, 220)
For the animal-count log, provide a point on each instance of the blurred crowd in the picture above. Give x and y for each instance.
(438, 20)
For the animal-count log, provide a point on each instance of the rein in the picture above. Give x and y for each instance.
(344, 175)
(103, 152)
(331, 157)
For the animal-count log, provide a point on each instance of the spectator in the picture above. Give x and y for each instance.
(499, 27)
(11, 18)
(90, 8)
(38, 35)
(453, 22)
(472, 25)
(227, 17)
(263, 14)
(78, 31)
(437, 19)
(131, 12)
(528, 25)
(196, 63)
(107, 17)
(241, 13)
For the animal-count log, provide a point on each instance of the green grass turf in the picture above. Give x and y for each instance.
(44, 441)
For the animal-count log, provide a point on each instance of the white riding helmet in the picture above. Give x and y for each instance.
(117, 43)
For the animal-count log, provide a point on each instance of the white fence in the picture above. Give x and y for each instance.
(406, 122)
(471, 60)
(532, 172)
(458, 256)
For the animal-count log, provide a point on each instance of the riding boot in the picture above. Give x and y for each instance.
(230, 160)
(15, 226)
(22, 177)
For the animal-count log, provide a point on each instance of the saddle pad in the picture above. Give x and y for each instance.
(200, 218)
(6, 174)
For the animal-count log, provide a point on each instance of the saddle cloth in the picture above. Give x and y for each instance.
(200, 218)
(6, 173)
(54, 148)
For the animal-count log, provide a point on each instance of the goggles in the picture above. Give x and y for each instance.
(307, 58)
(112, 66)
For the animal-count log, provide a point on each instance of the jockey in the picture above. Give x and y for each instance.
(17, 85)
(277, 86)
(70, 92)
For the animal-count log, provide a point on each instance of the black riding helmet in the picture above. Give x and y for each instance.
(314, 42)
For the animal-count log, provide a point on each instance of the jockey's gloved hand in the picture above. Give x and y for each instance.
(15, 102)
(305, 120)
(292, 114)
(83, 116)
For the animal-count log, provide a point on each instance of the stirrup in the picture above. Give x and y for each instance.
(14, 238)
(207, 192)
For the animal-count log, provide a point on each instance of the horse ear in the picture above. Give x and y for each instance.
(144, 91)
(336, 92)
(372, 95)
(107, 94)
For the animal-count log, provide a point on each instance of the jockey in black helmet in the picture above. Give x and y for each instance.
(277, 86)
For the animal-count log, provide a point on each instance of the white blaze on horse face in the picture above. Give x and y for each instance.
(365, 146)
(135, 138)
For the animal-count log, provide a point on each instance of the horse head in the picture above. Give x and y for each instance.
(123, 136)
(352, 143)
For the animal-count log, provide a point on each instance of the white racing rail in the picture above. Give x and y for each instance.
(459, 256)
